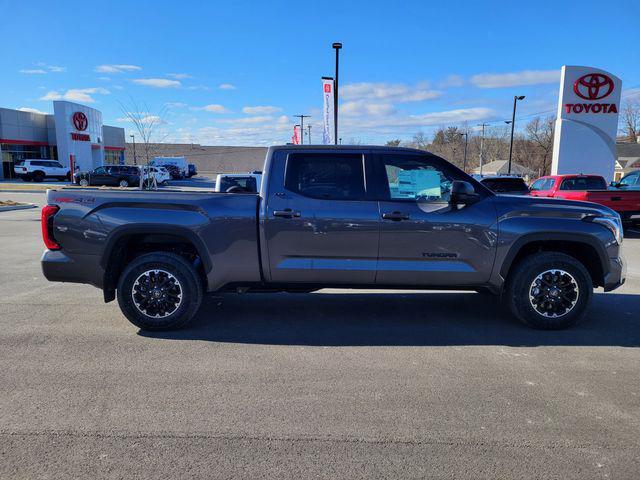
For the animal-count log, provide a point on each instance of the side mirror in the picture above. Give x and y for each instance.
(614, 184)
(463, 193)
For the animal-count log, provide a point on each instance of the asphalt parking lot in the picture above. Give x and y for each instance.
(334, 384)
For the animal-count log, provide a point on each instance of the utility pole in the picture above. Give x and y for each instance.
(466, 141)
(135, 159)
(302, 117)
(513, 124)
(337, 46)
(309, 135)
(483, 125)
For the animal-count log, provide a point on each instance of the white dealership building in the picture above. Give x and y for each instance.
(73, 135)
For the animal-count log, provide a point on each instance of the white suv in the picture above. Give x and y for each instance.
(162, 174)
(38, 170)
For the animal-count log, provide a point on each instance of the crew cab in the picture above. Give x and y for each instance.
(588, 188)
(38, 170)
(344, 217)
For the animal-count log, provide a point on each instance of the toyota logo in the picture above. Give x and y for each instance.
(80, 121)
(593, 86)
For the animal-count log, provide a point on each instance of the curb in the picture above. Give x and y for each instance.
(17, 207)
(22, 191)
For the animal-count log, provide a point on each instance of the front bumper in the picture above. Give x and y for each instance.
(617, 274)
(58, 266)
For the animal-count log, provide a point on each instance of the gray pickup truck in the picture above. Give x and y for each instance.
(346, 217)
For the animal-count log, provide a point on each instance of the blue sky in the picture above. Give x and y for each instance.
(234, 73)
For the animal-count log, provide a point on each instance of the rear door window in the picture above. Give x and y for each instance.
(584, 183)
(326, 176)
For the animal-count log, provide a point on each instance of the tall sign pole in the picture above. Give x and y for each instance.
(337, 46)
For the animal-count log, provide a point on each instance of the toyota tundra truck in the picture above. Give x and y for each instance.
(341, 217)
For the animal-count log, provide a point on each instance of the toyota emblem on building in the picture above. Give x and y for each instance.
(80, 121)
(593, 86)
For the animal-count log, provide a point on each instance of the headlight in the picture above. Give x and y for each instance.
(612, 222)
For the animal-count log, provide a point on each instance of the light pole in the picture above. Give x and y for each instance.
(309, 135)
(135, 160)
(337, 46)
(302, 117)
(466, 141)
(482, 145)
(513, 124)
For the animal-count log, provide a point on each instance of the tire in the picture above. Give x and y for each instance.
(182, 301)
(83, 182)
(123, 183)
(552, 310)
(26, 178)
(37, 176)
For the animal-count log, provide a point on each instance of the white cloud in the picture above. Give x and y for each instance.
(214, 108)
(226, 86)
(148, 119)
(362, 107)
(261, 109)
(515, 79)
(31, 110)
(82, 95)
(175, 105)
(399, 123)
(104, 79)
(249, 120)
(157, 82)
(56, 69)
(118, 68)
(398, 92)
(452, 81)
(179, 76)
(33, 71)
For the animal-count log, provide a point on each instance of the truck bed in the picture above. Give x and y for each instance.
(90, 223)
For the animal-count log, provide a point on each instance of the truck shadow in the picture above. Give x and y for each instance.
(398, 319)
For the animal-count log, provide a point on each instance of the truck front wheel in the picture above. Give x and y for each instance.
(159, 291)
(549, 290)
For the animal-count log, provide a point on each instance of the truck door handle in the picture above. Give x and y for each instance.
(286, 213)
(616, 199)
(397, 216)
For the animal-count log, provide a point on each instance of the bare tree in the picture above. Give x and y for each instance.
(394, 143)
(540, 132)
(146, 126)
(631, 119)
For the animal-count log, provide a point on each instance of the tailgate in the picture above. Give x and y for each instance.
(619, 201)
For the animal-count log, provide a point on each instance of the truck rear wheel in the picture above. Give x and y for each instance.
(549, 291)
(159, 291)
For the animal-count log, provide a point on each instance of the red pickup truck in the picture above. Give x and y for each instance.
(589, 188)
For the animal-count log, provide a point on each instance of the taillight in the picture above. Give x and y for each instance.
(46, 222)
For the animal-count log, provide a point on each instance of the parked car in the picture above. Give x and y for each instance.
(38, 170)
(161, 173)
(589, 188)
(179, 162)
(110, 175)
(238, 182)
(506, 185)
(630, 181)
(192, 171)
(175, 172)
(344, 217)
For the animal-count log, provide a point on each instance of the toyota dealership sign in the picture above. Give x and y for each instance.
(587, 122)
